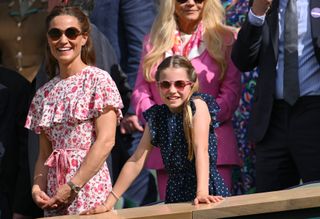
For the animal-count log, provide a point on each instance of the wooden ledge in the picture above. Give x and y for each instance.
(259, 203)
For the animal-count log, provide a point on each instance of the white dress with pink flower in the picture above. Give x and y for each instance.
(65, 110)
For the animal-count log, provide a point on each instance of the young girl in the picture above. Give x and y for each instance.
(183, 128)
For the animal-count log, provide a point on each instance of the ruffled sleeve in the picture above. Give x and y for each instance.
(212, 106)
(104, 93)
(79, 97)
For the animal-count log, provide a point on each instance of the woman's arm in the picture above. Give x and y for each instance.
(229, 93)
(105, 126)
(129, 172)
(201, 126)
(142, 98)
(41, 171)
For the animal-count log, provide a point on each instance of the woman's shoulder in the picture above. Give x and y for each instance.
(95, 73)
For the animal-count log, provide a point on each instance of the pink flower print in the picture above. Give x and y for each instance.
(87, 188)
(74, 89)
(46, 93)
(27, 122)
(91, 105)
(74, 162)
(79, 204)
(74, 140)
(100, 188)
(84, 112)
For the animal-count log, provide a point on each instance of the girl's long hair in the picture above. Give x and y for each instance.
(217, 36)
(87, 51)
(178, 61)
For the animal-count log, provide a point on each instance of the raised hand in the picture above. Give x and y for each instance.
(260, 7)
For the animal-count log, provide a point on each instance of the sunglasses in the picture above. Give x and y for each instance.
(184, 1)
(179, 85)
(72, 33)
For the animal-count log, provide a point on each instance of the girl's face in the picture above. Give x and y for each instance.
(65, 39)
(174, 87)
(189, 12)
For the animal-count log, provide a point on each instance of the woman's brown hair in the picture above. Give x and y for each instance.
(87, 51)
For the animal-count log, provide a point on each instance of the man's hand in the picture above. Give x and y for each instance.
(260, 7)
(130, 123)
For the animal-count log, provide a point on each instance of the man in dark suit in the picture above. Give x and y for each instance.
(15, 185)
(285, 124)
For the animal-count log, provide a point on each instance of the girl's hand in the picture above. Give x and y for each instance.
(40, 198)
(98, 209)
(207, 199)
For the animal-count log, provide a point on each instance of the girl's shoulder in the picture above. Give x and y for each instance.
(155, 112)
(209, 101)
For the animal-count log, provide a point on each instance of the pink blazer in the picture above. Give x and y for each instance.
(227, 93)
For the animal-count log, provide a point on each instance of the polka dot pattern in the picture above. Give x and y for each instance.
(166, 129)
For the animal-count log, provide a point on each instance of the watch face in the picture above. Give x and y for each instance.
(74, 187)
(77, 188)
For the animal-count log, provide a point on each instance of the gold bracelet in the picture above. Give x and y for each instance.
(115, 195)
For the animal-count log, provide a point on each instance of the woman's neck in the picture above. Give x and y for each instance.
(188, 27)
(71, 69)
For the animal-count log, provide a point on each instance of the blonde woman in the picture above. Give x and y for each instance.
(196, 30)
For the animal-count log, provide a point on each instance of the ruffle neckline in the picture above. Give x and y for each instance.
(80, 97)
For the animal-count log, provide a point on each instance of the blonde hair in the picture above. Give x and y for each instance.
(165, 24)
(178, 61)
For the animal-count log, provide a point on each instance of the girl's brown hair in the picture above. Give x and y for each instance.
(178, 61)
(87, 51)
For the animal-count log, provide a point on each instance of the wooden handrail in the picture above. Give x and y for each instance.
(259, 203)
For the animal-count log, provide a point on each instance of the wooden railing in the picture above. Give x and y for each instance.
(285, 201)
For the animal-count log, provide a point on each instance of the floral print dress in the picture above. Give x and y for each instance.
(65, 110)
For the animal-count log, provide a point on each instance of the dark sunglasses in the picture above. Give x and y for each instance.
(184, 1)
(179, 85)
(72, 33)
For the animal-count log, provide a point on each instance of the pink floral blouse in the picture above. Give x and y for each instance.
(65, 109)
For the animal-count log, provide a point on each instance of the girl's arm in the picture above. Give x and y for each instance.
(105, 127)
(128, 174)
(40, 173)
(201, 126)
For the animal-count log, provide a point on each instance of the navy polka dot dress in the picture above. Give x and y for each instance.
(166, 129)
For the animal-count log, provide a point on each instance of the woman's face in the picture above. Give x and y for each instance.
(67, 47)
(189, 12)
(175, 89)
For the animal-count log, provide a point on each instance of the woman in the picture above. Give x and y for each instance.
(76, 115)
(195, 29)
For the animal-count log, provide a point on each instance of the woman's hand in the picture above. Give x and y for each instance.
(207, 199)
(40, 198)
(63, 197)
(98, 209)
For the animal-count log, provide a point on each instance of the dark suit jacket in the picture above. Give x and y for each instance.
(14, 170)
(258, 47)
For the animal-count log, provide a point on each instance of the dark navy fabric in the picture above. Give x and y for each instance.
(166, 129)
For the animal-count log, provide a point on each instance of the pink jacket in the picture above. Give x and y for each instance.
(227, 93)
